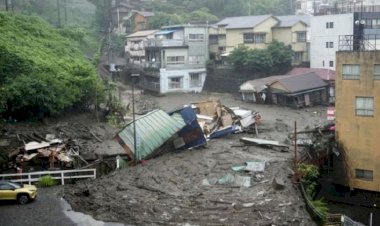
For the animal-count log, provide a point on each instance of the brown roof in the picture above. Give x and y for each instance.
(303, 82)
(323, 73)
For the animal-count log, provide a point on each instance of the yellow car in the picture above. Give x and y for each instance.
(23, 193)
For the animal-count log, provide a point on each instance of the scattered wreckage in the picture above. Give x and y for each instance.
(183, 128)
(50, 154)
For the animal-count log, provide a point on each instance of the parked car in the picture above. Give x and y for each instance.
(23, 193)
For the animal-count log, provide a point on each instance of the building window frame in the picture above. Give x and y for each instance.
(331, 63)
(376, 71)
(175, 82)
(175, 60)
(195, 80)
(248, 38)
(301, 36)
(197, 59)
(364, 106)
(329, 25)
(298, 56)
(196, 37)
(351, 71)
(329, 45)
(363, 174)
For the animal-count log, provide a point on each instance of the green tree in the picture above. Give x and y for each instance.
(164, 19)
(238, 57)
(258, 60)
(42, 71)
(281, 55)
(202, 14)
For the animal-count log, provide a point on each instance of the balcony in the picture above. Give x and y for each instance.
(359, 42)
(165, 43)
(153, 65)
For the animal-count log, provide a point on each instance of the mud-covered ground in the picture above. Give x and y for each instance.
(171, 189)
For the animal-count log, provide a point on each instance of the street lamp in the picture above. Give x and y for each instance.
(133, 117)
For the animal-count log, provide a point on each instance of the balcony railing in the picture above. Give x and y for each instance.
(359, 42)
(155, 65)
(164, 42)
(152, 86)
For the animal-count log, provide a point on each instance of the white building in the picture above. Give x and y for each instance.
(324, 38)
(176, 59)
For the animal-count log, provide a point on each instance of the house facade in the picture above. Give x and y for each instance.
(141, 19)
(296, 91)
(358, 117)
(257, 32)
(328, 31)
(175, 59)
(134, 45)
(324, 33)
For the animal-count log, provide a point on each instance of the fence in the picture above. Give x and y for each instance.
(58, 175)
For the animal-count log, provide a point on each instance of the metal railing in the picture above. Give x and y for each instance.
(58, 175)
(359, 42)
(164, 42)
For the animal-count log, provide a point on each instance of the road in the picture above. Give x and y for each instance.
(47, 209)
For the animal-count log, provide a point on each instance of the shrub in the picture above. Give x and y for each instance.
(47, 181)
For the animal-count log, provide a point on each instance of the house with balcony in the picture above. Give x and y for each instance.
(134, 45)
(175, 59)
(257, 32)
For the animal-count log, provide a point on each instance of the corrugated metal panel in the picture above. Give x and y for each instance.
(152, 130)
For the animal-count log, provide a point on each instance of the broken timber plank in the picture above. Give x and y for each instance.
(262, 142)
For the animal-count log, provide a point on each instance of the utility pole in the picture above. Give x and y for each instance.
(6, 5)
(59, 13)
(65, 7)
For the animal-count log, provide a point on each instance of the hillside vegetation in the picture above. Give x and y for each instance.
(42, 72)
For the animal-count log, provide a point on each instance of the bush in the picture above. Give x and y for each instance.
(47, 181)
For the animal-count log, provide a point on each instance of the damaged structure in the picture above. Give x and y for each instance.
(289, 90)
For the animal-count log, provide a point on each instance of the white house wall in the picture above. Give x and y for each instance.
(320, 56)
(165, 76)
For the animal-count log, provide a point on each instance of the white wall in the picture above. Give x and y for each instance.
(165, 75)
(319, 35)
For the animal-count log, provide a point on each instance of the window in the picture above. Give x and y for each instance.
(331, 63)
(196, 37)
(364, 174)
(196, 59)
(351, 71)
(172, 60)
(248, 37)
(213, 39)
(301, 36)
(376, 72)
(298, 56)
(176, 83)
(364, 106)
(259, 38)
(329, 44)
(329, 25)
(195, 80)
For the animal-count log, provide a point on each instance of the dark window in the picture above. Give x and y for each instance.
(329, 25)
(364, 174)
(329, 45)
(248, 37)
(331, 63)
(301, 36)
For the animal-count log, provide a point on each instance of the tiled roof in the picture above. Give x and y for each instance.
(289, 21)
(242, 21)
(323, 73)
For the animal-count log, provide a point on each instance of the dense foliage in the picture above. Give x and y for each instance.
(41, 70)
(275, 59)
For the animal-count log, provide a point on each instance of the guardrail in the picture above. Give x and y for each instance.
(58, 175)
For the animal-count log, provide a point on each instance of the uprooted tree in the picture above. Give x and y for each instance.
(42, 72)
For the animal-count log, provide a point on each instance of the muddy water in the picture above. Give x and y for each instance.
(82, 219)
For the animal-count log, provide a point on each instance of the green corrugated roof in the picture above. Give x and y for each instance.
(152, 130)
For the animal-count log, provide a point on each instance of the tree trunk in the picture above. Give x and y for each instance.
(6, 5)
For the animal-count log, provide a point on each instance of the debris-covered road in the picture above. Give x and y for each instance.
(199, 187)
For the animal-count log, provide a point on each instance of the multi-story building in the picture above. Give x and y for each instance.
(257, 32)
(176, 59)
(324, 38)
(141, 19)
(358, 113)
(134, 45)
(326, 30)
